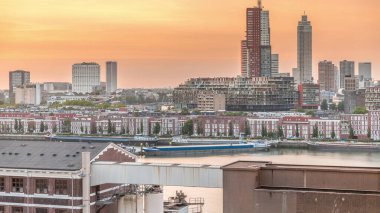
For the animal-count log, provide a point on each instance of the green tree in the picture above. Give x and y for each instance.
(247, 130)
(16, 125)
(369, 135)
(311, 113)
(187, 128)
(230, 129)
(66, 128)
(93, 128)
(297, 131)
(199, 129)
(341, 107)
(280, 132)
(42, 127)
(315, 131)
(20, 126)
(156, 128)
(122, 130)
(185, 111)
(114, 128)
(264, 132)
(333, 107)
(351, 132)
(141, 127)
(54, 128)
(360, 110)
(81, 128)
(109, 129)
(100, 129)
(324, 105)
(333, 135)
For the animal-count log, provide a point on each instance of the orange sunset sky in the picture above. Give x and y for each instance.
(161, 43)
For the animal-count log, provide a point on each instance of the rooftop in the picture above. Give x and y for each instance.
(46, 155)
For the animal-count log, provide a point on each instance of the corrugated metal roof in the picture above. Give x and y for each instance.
(46, 155)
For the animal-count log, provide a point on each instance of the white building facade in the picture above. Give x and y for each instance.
(85, 77)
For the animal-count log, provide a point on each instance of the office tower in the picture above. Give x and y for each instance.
(326, 76)
(111, 67)
(85, 77)
(244, 59)
(347, 69)
(256, 49)
(18, 78)
(266, 49)
(275, 64)
(305, 50)
(365, 75)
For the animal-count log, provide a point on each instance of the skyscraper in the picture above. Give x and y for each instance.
(266, 49)
(256, 49)
(326, 76)
(365, 75)
(347, 69)
(275, 64)
(17, 78)
(305, 50)
(111, 69)
(85, 77)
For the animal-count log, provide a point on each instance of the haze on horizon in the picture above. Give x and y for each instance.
(162, 43)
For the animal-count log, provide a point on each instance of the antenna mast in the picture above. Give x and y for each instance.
(259, 4)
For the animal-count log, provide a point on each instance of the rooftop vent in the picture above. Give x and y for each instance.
(74, 156)
(23, 145)
(54, 155)
(42, 154)
(16, 153)
(83, 147)
(70, 165)
(92, 147)
(29, 154)
(10, 153)
(77, 153)
(3, 153)
(67, 155)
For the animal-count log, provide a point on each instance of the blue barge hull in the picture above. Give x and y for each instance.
(203, 150)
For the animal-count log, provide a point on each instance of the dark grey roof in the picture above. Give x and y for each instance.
(46, 155)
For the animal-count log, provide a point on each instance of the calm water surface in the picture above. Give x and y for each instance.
(214, 197)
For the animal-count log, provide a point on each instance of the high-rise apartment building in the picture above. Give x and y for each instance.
(85, 76)
(365, 75)
(275, 64)
(256, 49)
(326, 76)
(111, 69)
(305, 50)
(28, 94)
(347, 69)
(18, 78)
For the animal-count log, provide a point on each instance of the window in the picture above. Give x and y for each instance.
(41, 210)
(2, 185)
(41, 186)
(61, 187)
(17, 185)
(61, 211)
(17, 210)
(2, 209)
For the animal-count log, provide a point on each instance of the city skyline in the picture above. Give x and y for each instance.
(182, 47)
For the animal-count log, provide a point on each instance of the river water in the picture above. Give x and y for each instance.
(214, 197)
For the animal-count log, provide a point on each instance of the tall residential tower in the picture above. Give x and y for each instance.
(256, 49)
(304, 50)
(111, 75)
